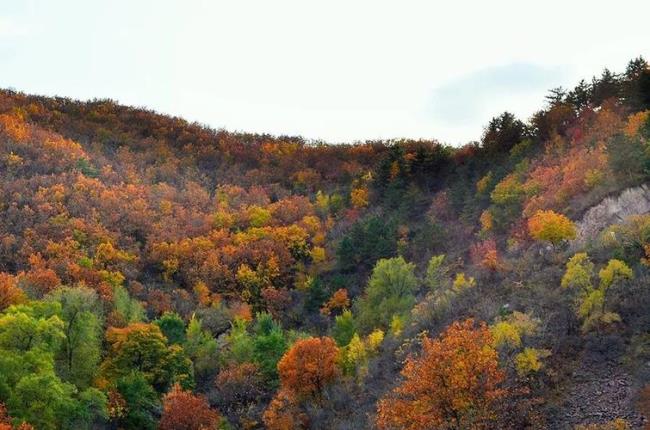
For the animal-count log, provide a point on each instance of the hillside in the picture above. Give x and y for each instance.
(156, 273)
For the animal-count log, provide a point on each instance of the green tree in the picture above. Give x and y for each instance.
(173, 327)
(31, 335)
(143, 348)
(270, 344)
(368, 241)
(593, 303)
(390, 292)
(435, 272)
(201, 347)
(344, 328)
(239, 343)
(142, 400)
(127, 309)
(79, 358)
(42, 399)
(354, 358)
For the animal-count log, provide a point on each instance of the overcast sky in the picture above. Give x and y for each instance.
(333, 70)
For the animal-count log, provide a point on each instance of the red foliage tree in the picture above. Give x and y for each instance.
(183, 410)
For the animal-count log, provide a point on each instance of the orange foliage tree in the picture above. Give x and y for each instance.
(305, 370)
(339, 300)
(309, 366)
(485, 254)
(284, 414)
(455, 383)
(183, 410)
(5, 421)
(10, 293)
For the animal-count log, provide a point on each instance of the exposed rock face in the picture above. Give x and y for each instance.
(612, 210)
(598, 395)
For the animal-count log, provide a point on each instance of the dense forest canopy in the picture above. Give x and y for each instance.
(156, 273)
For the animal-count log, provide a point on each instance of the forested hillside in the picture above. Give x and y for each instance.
(160, 274)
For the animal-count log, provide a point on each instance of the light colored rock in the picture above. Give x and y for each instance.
(612, 210)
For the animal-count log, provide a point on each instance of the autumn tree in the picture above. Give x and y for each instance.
(6, 421)
(338, 301)
(237, 386)
(305, 371)
(142, 348)
(10, 293)
(593, 304)
(284, 413)
(485, 255)
(615, 424)
(455, 383)
(309, 366)
(183, 410)
(551, 227)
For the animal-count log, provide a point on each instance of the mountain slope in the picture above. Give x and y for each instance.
(149, 266)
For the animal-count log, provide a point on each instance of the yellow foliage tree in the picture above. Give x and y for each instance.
(551, 227)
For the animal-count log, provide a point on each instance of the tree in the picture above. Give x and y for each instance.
(485, 255)
(339, 300)
(551, 227)
(593, 304)
(368, 241)
(354, 358)
(173, 327)
(435, 272)
(141, 402)
(30, 336)
(616, 424)
(284, 413)
(462, 283)
(10, 293)
(79, 358)
(5, 421)
(309, 366)
(239, 343)
(269, 345)
(42, 400)
(201, 347)
(126, 309)
(390, 292)
(183, 410)
(454, 384)
(344, 328)
(503, 132)
(142, 348)
(359, 197)
(237, 386)
(580, 96)
(579, 270)
(556, 96)
(606, 87)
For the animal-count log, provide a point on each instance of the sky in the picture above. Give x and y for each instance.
(338, 71)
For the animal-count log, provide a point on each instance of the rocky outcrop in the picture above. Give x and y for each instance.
(599, 395)
(612, 210)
